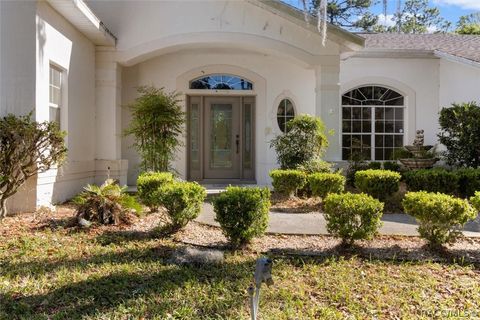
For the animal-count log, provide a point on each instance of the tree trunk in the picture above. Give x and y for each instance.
(3, 208)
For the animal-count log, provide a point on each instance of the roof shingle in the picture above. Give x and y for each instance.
(463, 46)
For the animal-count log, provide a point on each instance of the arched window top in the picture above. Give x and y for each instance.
(221, 82)
(372, 96)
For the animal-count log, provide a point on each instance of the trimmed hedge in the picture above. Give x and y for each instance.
(440, 216)
(243, 213)
(468, 181)
(288, 182)
(322, 184)
(475, 201)
(392, 166)
(148, 183)
(432, 180)
(352, 216)
(182, 200)
(380, 184)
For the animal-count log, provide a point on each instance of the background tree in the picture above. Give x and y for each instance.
(416, 16)
(156, 125)
(26, 149)
(460, 134)
(351, 14)
(469, 24)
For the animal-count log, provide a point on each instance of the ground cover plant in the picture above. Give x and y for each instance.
(50, 271)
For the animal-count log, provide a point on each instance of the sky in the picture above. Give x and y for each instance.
(449, 9)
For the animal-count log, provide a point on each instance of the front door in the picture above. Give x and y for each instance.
(222, 138)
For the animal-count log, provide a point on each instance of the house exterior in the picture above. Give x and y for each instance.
(244, 68)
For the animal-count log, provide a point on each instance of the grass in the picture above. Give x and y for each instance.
(70, 274)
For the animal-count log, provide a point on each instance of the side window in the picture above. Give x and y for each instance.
(285, 113)
(55, 95)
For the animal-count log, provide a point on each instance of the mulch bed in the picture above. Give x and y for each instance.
(381, 248)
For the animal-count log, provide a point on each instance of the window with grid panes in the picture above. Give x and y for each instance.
(55, 94)
(372, 123)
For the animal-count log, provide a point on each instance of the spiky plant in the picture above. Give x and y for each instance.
(105, 204)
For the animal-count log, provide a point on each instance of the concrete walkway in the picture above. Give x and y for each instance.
(315, 224)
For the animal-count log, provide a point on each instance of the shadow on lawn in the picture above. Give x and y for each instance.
(157, 289)
(392, 253)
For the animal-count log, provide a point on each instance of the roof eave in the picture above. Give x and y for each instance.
(347, 40)
(82, 17)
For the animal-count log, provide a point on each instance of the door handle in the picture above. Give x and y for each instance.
(237, 142)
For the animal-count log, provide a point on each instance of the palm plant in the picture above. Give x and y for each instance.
(105, 204)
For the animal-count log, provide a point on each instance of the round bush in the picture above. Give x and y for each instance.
(182, 200)
(242, 213)
(475, 200)
(432, 180)
(380, 184)
(148, 183)
(322, 184)
(440, 216)
(288, 182)
(352, 216)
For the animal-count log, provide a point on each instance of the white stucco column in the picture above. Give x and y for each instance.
(108, 124)
(327, 99)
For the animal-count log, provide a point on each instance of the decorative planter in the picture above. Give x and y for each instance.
(415, 163)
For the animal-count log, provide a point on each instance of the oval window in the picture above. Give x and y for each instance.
(285, 113)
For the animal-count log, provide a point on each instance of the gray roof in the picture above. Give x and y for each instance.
(463, 46)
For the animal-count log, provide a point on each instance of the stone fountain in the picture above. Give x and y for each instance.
(422, 155)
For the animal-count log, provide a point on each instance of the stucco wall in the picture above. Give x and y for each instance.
(458, 83)
(172, 71)
(59, 43)
(417, 79)
(17, 57)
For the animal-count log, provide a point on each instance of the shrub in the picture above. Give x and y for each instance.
(475, 201)
(27, 148)
(379, 184)
(322, 184)
(288, 182)
(440, 216)
(468, 181)
(183, 202)
(148, 183)
(355, 163)
(304, 140)
(460, 133)
(242, 213)
(316, 165)
(392, 166)
(157, 125)
(432, 180)
(374, 165)
(105, 204)
(352, 216)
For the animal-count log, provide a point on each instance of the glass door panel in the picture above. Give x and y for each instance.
(221, 146)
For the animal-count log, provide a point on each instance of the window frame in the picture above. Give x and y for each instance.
(284, 130)
(249, 84)
(373, 119)
(59, 105)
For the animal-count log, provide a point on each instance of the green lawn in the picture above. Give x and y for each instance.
(71, 274)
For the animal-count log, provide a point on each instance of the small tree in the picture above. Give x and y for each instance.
(157, 122)
(460, 133)
(304, 141)
(26, 149)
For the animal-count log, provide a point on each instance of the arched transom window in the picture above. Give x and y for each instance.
(372, 123)
(221, 82)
